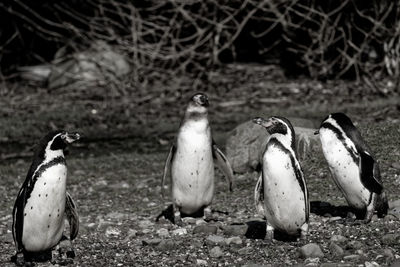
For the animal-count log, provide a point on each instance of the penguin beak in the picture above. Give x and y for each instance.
(265, 123)
(204, 101)
(70, 137)
(316, 132)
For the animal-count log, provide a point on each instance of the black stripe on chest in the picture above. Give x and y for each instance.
(341, 138)
(32, 181)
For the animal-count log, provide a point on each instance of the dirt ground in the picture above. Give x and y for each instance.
(115, 171)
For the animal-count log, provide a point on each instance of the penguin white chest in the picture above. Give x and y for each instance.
(345, 171)
(285, 202)
(44, 210)
(192, 169)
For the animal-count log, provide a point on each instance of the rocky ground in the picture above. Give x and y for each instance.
(115, 172)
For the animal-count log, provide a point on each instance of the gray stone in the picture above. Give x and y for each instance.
(201, 262)
(245, 251)
(151, 242)
(390, 239)
(338, 239)
(205, 229)
(354, 244)
(245, 143)
(336, 250)
(311, 250)
(112, 231)
(166, 245)
(235, 230)
(179, 231)
(235, 240)
(216, 252)
(215, 240)
(162, 232)
(371, 264)
(395, 263)
(353, 257)
(394, 208)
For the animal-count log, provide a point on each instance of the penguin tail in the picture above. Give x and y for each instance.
(382, 205)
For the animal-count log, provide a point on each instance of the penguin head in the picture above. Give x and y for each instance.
(339, 119)
(276, 124)
(200, 99)
(54, 143)
(197, 107)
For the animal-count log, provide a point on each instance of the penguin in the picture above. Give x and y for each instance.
(353, 167)
(42, 202)
(191, 162)
(281, 193)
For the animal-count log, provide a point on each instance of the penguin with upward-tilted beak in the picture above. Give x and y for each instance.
(191, 162)
(281, 193)
(42, 202)
(352, 166)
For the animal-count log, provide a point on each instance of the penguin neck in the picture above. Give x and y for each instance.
(199, 125)
(288, 139)
(50, 154)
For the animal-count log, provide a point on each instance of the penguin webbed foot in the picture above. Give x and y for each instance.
(19, 259)
(177, 216)
(269, 234)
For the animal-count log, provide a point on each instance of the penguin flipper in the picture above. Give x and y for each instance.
(259, 196)
(18, 217)
(370, 177)
(223, 164)
(166, 166)
(72, 216)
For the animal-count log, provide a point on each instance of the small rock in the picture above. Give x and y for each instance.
(338, 239)
(200, 222)
(354, 244)
(112, 231)
(387, 252)
(215, 240)
(396, 263)
(245, 251)
(336, 250)
(390, 239)
(166, 245)
(200, 262)
(189, 220)
(311, 250)
(206, 229)
(216, 252)
(335, 219)
(151, 242)
(311, 262)
(162, 232)
(353, 257)
(235, 230)
(145, 223)
(371, 264)
(390, 217)
(179, 231)
(235, 240)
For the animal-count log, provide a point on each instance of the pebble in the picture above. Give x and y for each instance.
(162, 232)
(336, 250)
(179, 231)
(112, 231)
(200, 262)
(354, 244)
(390, 239)
(235, 230)
(387, 252)
(206, 229)
(166, 245)
(311, 250)
(352, 257)
(216, 252)
(215, 239)
(189, 220)
(145, 223)
(235, 240)
(371, 264)
(151, 242)
(338, 239)
(334, 219)
(245, 251)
